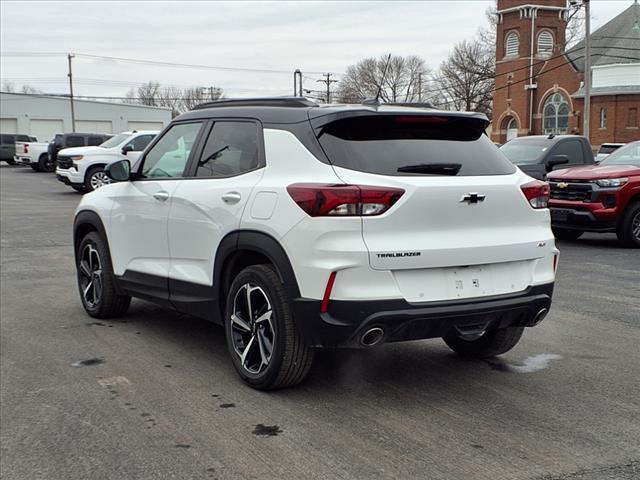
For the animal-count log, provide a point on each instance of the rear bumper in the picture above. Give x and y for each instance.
(346, 321)
(24, 160)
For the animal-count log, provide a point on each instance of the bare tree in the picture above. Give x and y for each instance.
(8, 87)
(171, 97)
(467, 77)
(29, 90)
(149, 93)
(193, 96)
(402, 82)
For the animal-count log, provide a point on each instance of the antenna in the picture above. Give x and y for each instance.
(384, 77)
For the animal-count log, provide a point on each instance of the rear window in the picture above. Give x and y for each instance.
(383, 144)
(23, 138)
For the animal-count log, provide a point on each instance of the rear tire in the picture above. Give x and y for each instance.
(96, 282)
(264, 343)
(11, 162)
(562, 234)
(35, 167)
(44, 164)
(495, 342)
(629, 228)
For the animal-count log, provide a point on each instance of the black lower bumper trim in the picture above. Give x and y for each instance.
(571, 219)
(346, 321)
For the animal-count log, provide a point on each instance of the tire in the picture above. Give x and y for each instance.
(44, 164)
(96, 282)
(95, 178)
(11, 162)
(562, 234)
(492, 343)
(629, 228)
(78, 188)
(250, 336)
(35, 167)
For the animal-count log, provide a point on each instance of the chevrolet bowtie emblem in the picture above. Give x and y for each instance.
(563, 185)
(473, 197)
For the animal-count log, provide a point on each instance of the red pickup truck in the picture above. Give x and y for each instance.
(599, 198)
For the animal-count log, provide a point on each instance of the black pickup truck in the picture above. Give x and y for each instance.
(538, 155)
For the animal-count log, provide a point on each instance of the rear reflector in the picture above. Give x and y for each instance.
(537, 193)
(327, 293)
(322, 200)
(556, 258)
(25, 147)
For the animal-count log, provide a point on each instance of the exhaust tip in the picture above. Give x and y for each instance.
(372, 337)
(540, 316)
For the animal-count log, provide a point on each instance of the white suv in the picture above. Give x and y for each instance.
(299, 226)
(82, 168)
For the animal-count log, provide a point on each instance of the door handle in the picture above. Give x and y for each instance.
(161, 195)
(231, 197)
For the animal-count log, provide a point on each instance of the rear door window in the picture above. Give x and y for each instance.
(383, 144)
(75, 141)
(8, 139)
(231, 149)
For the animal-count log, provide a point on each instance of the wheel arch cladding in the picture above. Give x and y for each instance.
(86, 221)
(243, 248)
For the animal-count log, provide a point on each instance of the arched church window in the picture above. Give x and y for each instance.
(556, 114)
(513, 45)
(545, 43)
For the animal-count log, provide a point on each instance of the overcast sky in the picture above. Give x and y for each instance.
(313, 36)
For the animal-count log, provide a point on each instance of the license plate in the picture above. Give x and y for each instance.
(559, 215)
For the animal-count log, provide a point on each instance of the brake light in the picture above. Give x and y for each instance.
(537, 193)
(328, 200)
(26, 148)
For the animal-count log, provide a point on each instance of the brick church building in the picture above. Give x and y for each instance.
(539, 84)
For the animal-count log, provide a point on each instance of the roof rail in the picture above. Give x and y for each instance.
(375, 103)
(295, 102)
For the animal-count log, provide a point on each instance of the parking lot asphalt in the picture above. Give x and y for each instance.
(154, 395)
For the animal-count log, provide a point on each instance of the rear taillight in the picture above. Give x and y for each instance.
(556, 258)
(25, 147)
(537, 193)
(321, 200)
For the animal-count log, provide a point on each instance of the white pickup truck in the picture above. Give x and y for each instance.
(82, 168)
(35, 155)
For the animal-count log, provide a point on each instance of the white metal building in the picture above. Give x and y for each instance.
(43, 116)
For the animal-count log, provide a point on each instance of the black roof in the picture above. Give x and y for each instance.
(284, 110)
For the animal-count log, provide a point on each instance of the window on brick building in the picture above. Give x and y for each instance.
(545, 43)
(603, 118)
(512, 44)
(632, 120)
(556, 114)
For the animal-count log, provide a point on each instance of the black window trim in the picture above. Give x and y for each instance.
(192, 165)
(137, 175)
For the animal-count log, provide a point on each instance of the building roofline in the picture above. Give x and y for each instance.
(75, 100)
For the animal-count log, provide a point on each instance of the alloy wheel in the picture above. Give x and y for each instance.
(90, 269)
(252, 329)
(99, 179)
(635, 226)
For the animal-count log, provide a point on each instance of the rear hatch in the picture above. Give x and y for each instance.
(469, 232)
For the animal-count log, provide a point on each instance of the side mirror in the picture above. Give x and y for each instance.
(127, 148)
(557, 160)
(119, 171)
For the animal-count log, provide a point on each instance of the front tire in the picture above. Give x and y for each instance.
(562, 234)
(265, 346)
(35, 167)
(490, 344)
(95, 178)
(96, 282)
(629, 228)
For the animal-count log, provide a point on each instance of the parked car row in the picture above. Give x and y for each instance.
(588, 194)
(77, 158)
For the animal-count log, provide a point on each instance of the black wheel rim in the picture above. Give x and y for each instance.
(90, 271)
(252, 329)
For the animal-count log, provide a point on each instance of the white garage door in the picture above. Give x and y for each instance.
(45, 130)
(8, 125)
(145, 126)
(93, 126)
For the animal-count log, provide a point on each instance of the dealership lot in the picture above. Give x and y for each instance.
(155, 395)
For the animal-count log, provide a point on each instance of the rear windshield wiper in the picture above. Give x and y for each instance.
(434, 168)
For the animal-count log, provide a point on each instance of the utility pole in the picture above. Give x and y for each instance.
(587, 68)
(328, 81)
(73, 112)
